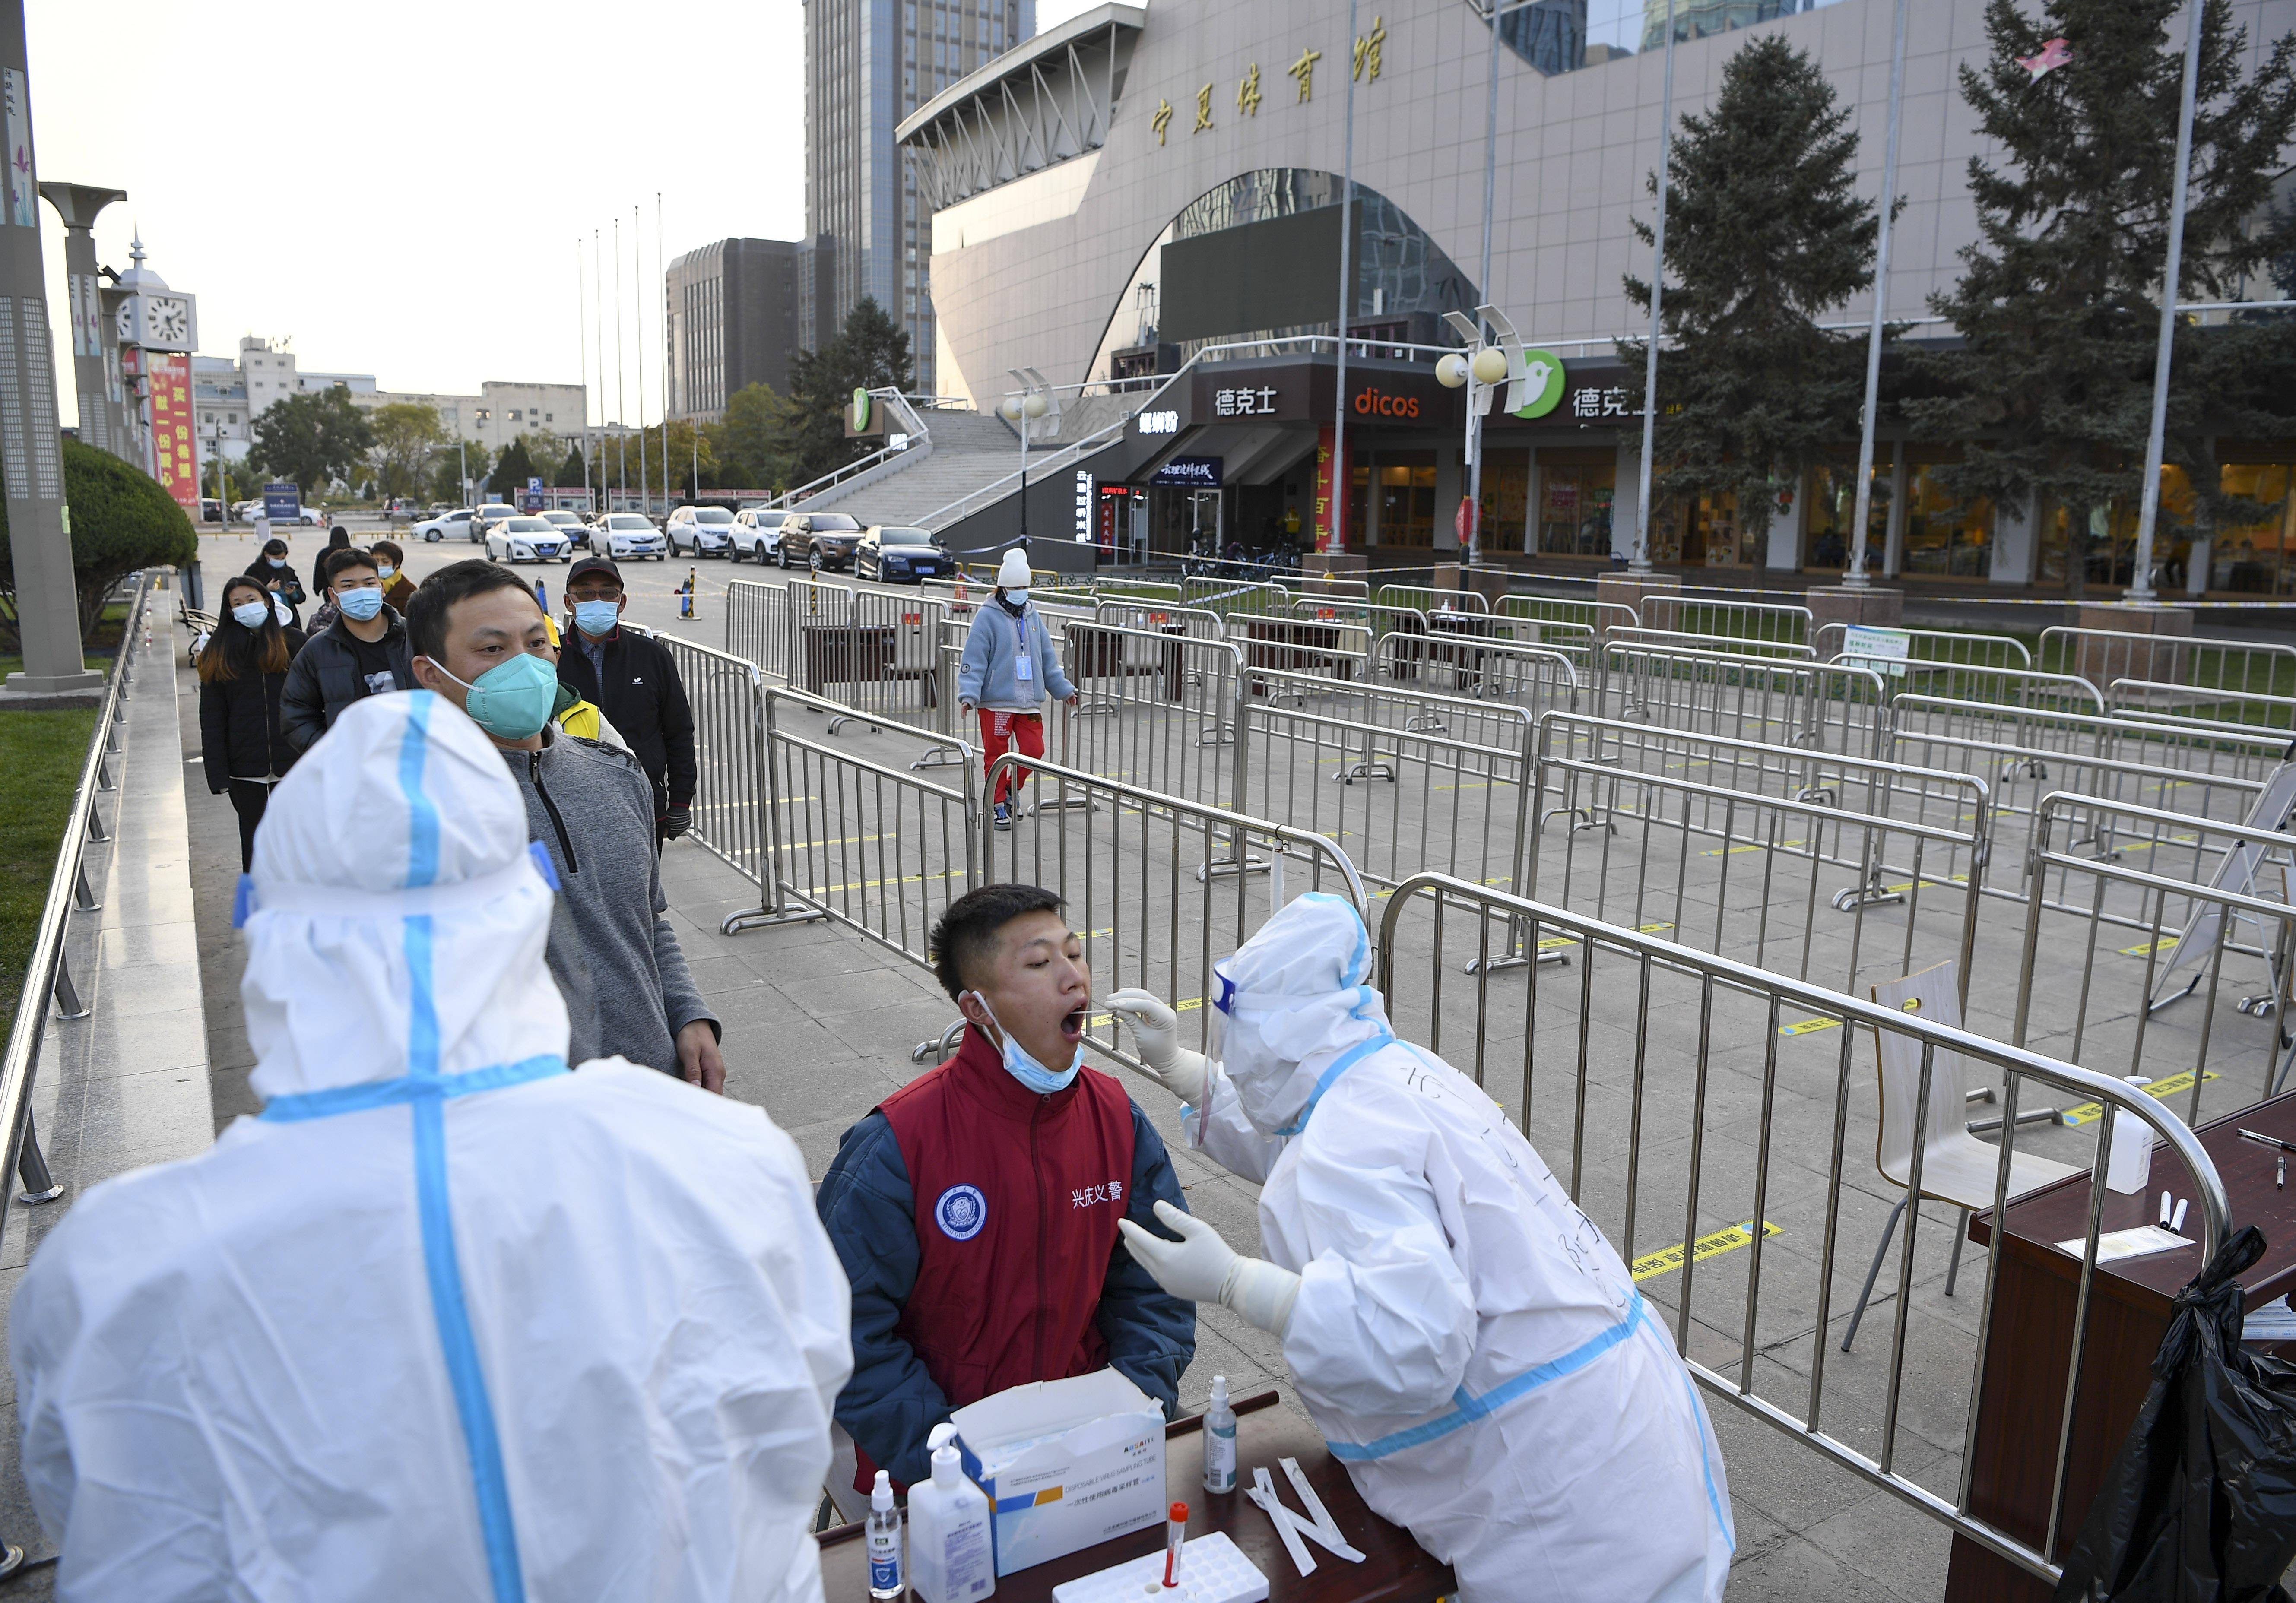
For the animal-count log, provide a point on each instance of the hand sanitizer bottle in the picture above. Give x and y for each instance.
(950, 1559)
(2129, 1165)
(884, 1539)
(1219, 1440)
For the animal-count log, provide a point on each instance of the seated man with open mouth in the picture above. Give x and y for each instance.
(975, 1209)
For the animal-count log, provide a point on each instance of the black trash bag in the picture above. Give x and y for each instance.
(2200, 1504)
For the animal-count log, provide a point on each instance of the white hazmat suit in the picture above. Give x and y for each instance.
(1469, 1346)
(446, 1321)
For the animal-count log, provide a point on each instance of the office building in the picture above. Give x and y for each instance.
(732, 316)
(869, 63)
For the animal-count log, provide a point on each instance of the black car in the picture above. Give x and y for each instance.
(819, 541)
(893, 553)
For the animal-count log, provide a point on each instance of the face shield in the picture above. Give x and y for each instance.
(1289, 1002)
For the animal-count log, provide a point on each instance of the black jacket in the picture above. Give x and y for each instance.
(239, 732)
(644, 699)
(325, 679)
(261, 572)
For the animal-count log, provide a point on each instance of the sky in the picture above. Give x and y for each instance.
(327, 175)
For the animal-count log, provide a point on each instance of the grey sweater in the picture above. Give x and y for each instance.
(613, 953)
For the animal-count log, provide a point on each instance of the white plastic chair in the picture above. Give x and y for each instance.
(1956, 1168)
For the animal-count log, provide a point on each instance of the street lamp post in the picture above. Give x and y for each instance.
(2148, 517)
(1855, 578)
(1641, 562)
(1025, 409)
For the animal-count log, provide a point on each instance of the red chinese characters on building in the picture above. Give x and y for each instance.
(175, 455)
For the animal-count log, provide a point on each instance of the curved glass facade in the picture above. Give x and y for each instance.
(1562, 35)
(1240, 262)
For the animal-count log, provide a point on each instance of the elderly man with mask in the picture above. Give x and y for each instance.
(1469, 1346)
(446, 1320)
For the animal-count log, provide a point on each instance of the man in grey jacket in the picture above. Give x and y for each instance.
(480, 640)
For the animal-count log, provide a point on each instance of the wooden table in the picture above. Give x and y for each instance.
(1394, 1570)
(2020, 1409)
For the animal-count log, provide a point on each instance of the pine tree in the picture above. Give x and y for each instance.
(2056, 307)
(870, 352)
(1765, 233)
(513, 468)
(570, 472)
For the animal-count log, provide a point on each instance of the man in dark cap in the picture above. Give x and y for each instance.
(630, 676)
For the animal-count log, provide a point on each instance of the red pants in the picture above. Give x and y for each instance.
(1001, 732)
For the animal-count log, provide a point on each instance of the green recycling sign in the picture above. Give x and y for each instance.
(1545, 370)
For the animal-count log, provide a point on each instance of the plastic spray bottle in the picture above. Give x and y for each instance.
(950, 1561)
(1219, 1440)
(886, 1583)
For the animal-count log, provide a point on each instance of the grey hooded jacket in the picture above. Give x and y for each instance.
(612, 950)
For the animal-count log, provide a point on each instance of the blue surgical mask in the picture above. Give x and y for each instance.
(251, 614)
(360, 604)
(597, 618)
(513, 699)
(1024, 1068)
(1018, 598)
(384, 572)
(276, 561)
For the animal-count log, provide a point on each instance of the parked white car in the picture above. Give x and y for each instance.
(756, 535)
(487, 516)
(629, 535)
(701, 531)
(524, 539)
(447, 525)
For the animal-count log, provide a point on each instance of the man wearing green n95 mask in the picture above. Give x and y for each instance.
(480, 640)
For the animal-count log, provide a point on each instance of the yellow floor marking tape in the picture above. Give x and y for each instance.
(1551, 942)
(2147, 948)
(2088, 1113)
(1808, 1026)
(1730, 1238)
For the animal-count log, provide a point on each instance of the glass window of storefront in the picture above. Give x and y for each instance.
(1701, 531)
(1945, 534)
(1405, 514)
(2257, 558)
(1829, 511)
(1575, 490)
(1505, 500)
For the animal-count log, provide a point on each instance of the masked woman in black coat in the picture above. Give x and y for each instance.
(272, 571)
(242, 671)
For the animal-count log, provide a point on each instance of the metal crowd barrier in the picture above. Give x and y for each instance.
(2022, 778)
(872, 651)
(1597, 616)
(1379, 620)
(1163, 711)
(47, 974)
(756, 625)
(1401, 802)
(858, 841)
(1833, 706)
(1687, 1099)
(1975, 682)
(1944, 648)
(1724, 645)
(1479, 667)
(1160, 617)
(2205, 703)
(2232, 751)
(1748, 623)
(1428, 599)
(1834, 879)
(1384, 706)
(1142, 875)
(733, 781)
(2171, 939)
(2190, 661)
(1225, 596)
(1299, 644)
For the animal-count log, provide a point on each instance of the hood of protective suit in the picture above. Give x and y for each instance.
(1294, 1001)
(404, 811)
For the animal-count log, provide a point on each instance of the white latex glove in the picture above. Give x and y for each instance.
(1201, 1268)
(1157, 1030)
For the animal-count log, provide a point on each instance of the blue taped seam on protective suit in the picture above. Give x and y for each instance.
(1345, 1061)
(448, 1306)
(1706, 1465)
(369, 1095)
(1468, 1410)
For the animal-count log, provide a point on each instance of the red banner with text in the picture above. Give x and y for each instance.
(175, 455)
(1329, 530)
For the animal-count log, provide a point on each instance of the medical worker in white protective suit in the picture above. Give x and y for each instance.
(1468, 1343)
(447, 1322)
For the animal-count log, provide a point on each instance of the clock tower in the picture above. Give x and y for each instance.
(158, 329)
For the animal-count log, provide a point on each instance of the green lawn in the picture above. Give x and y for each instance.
(41, 754)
